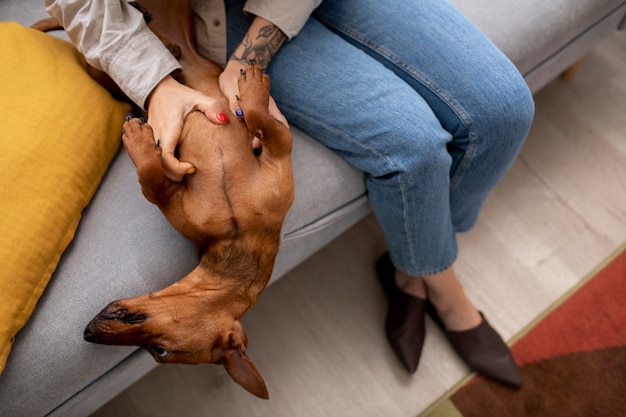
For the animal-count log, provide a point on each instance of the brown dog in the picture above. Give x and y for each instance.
(232, 208)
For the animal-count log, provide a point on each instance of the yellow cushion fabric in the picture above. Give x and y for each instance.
(59, 130)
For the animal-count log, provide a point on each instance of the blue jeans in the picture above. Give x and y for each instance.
(414, 95)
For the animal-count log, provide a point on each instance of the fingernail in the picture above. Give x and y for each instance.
(129, 116)
(239, 113)
(237, 97)
(192, 170)
(222, 117)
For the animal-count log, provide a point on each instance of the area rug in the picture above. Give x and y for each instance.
(572, 358)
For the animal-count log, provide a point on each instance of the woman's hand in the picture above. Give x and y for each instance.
(229, 86)
(260, 44)
(168, 105)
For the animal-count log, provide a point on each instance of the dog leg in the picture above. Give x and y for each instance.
(254, 89)
(140, 144)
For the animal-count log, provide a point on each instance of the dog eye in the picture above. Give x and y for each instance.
(159, 352)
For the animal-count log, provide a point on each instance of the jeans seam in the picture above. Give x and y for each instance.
(472, 145)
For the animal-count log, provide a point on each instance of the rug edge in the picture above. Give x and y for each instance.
(566, 295)
(443, 406)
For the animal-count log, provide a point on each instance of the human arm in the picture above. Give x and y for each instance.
(275, 22)
(114, 38)
(261, 42)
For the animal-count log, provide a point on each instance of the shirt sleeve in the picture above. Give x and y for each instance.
(288, 15)
(114, 38)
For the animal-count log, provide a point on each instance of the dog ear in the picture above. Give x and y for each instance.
(244, 372)
(240, 368)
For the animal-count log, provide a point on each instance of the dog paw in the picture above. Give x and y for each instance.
(138, 139)
(254, 88)
(136, 130)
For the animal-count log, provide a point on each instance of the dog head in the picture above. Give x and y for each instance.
(181, 325)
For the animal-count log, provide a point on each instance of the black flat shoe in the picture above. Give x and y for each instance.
(483, 350)
(404, 325)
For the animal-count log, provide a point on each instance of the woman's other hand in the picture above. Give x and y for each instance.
(168, 105)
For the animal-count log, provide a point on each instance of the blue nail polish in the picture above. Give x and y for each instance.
(239, 113)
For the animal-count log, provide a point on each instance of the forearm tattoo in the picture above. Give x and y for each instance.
(262, 48)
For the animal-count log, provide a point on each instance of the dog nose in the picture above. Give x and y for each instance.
(89, 337)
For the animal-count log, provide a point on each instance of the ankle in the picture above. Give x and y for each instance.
(458, 315)
(411, 285)
(446, 293)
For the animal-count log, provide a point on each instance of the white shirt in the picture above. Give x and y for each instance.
(114, 38)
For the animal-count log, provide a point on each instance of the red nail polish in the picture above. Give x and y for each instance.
(222, 117)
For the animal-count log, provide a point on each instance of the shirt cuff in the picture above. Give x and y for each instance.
(139, 65)
(288, 15)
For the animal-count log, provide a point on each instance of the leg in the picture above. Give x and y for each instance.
(434, 119)
(146, 156)
(254, 89)
(362, 110)
(446, 294)
(414, 95)
(488, 121)
(473, 89)
(434, 125)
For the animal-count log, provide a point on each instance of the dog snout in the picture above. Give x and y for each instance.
(119, 313)
(113, 324)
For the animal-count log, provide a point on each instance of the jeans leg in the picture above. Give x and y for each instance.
(475, 91)
(394, 116)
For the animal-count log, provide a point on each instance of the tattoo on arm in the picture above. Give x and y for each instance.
(262, 48)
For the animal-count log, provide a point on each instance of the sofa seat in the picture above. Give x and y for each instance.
(543, 38)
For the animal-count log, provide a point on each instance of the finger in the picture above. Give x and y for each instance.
(213, 110)
(234, 105)
(174, 169)
(228, 82)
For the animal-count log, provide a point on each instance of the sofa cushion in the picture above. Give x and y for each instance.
(531, 32)
(59, 132)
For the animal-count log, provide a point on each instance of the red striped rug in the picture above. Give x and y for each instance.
(572, 360)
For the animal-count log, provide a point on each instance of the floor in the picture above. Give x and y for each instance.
(316, 335)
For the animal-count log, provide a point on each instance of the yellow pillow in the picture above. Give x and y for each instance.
(59, 130)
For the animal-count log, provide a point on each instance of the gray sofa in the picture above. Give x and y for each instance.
(53, 372)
